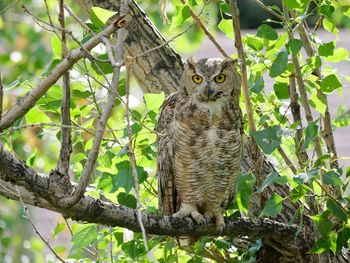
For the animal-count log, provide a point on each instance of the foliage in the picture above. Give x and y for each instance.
(32, 53)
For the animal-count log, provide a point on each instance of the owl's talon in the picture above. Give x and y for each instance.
(207, 217)
(220, 223)
(198, 218)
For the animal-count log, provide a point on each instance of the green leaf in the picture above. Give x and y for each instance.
(258, 86)
(272, 178)
(330, 83)
(100, 16)
(310, 133)
(291, 4)
(105, 67)
(326, 49)
(299, 192)
(343, 238)
(81, 94)
(124, 178)
(279, 65)
(314, 62)
(192, 2)
(273, 206)
(338, 55)
(329, 26)
(332, 177)
(134, 248)
(318, 102)
(294, 46)
(84, 235)
(182, 14)
(154, 101)
(322, 245)
(254, 43)
(343, 117)
(304, 178)
(58, 229)
(226, 27)
(320, 161)
(327, 10)
(225, 7)
(268, 139)
(336, 210)
(50, 67)
(266, 31)
(56, 47)
(281, 90)
(37, 116)
(324, 225)
(244, 190)
(105, 183)
(127, 200)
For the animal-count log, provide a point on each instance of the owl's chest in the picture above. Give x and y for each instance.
(201, 134)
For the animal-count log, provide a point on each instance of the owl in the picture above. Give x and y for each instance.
(200, 142)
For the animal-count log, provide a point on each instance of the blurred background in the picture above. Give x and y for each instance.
(26, 50)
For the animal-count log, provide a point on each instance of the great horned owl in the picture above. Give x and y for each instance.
(200, 142)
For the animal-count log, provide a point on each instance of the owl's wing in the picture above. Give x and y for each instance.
(167, 195)
(230, 193)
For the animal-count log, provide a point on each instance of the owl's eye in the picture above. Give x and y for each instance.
(220, 78)
(197, 79)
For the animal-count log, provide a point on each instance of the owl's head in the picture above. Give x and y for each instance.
(211, 79)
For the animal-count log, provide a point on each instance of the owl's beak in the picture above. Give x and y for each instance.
(208, 91)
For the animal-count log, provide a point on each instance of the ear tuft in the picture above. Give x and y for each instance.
(190, 63)
(229, 62)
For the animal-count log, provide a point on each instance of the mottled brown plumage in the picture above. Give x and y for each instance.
(200, 142)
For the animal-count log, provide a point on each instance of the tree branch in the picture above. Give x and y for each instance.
(44, 191)
(66, 137)
(29, 100)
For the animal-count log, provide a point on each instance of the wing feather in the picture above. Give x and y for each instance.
(167, 194)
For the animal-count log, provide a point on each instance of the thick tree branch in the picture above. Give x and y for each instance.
(29, 100)
(44, 191)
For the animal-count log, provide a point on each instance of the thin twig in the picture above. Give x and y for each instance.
(66, 137)
(78, 20)
(270, 10)
(303, 158)
(209, 35)
(9, 6)
(239, 47)
(132, 156)
(111, 243)
(302, 89)
(164, 43)
(28, 101)
(35, 228)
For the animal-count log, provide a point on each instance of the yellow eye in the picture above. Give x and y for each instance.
(220, 78)
(197, 79)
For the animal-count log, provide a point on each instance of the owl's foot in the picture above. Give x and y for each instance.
(188, 210)
(219, 222)
(198, 217)
(208, 216)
